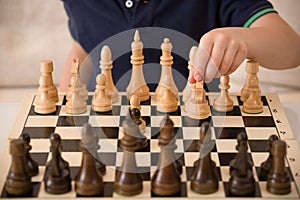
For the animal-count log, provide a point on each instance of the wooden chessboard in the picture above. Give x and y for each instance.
(224, 131)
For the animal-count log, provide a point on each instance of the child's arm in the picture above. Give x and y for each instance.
(269, 40)
(76, 52)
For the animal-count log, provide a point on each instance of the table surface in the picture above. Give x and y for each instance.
(11, 99)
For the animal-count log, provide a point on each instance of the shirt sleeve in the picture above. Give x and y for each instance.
(242, 13)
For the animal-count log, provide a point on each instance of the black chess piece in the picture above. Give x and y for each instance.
(204, 179)
(166, 180)
(278, 181)
(128, 181)
(135, 115)
(33, 167)
(18, 181)
(241, 182)
(88, 181)
(266, 166)
(57, 175)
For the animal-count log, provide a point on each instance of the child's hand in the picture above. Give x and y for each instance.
(220, 52)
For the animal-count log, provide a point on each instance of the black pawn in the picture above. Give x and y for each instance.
(18, 181)
(204, 179)
(128, 181)
(33, 167)
(241, 182)
(135, 115)
(166, 180)
(278, 181)
(88, 181)
(57, 175)
(265, 166)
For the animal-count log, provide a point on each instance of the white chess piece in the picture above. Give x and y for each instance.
(223, 102)
(252, 69)
(46, 68)
(106, 67)
(101, 101)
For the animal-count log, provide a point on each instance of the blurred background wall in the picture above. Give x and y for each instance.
(33, 30)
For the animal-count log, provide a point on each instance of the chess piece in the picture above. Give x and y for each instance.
(75, 80)
(223, 103)
(142, 140)
(278, 181)
(241, 182)
(42, 103)
(135, 103)
(88, 181)
(197, 106)
(57, 175)
(75, 104)
(46, 68)
(33, 168)
(18, 181)
(168, 102)
(128, 181)
(106, 67)
(137, 84)
(101, 101)
(252, 68)
(266, 166)
(166, 180)
(253, 104)
(204, 178)
(186, 93)
(166, 79)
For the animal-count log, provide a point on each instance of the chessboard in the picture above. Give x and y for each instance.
(224, 127)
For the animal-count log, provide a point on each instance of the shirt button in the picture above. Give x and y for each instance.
(128, 3)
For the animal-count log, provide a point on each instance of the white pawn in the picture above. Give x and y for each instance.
(223, 103)
(106, 67)
(197, 106)
(135, 103)
(75, 104)
(43, 104)
(76, 80)
(168, 102)
(252, 69)
(101, 101)
(46, 68)
(186, 93)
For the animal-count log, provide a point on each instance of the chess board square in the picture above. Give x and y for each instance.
(40, 176)
(219, 194)
(38, 132)
(190, 122)
(235, 112)
(191, 133)
(226, 145)
(155, 112)
(74, 171)
(106, 132)
(63, 112)
(265, 112)
(257, 190)
(72, 120)
(259, 157)
(228, 132)
(109, 176)
(40, 145)
(263, 99)
(73, 158)
(225, 158)
(156, 121)
(259, 121)
(107, 158)
(104, 121)
(258, 145)
(262, 133)
(227, 121)
(40, 158)
(116, 110)
(70, 145)
(191, 146)
(32, 112)
(41, 121)
(108, 189)
(108, 145)
(155, 131)
(69, 132)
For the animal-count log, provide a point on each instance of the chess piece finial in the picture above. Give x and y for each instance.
(137, 44)
(106, 67)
